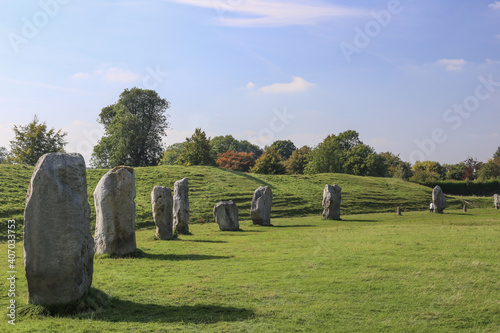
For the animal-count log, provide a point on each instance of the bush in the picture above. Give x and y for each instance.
(467, 187)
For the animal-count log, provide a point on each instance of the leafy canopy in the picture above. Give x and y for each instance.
(34, 140)
(197, 150)
(269, 163)
(134, 127)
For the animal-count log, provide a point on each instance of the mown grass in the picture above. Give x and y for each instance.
(418, 272)
(293, 195)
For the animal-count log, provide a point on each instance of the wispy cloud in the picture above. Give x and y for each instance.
(298, 84)
(495, 5)
(113, 74)
(121, 75)
(452, 64)
(257, 13)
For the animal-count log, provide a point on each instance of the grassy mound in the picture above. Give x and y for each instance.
(296, 195)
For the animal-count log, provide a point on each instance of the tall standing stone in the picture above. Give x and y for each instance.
(181, 207)
(332, 197)
(58, 245)
(260, 211)
(226, 216)
(438, 200)
(161, 201)
(115, 212)
(497, 201)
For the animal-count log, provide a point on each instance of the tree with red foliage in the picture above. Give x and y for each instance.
(236, 161)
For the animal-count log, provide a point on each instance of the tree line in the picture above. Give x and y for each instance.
(135, 124)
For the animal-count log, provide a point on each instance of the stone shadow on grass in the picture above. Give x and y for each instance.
(295, 226)
(139, 254)
(102, 307)
(127, 311)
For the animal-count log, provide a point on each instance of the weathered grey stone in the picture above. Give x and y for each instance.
(58, 245)
(115, 212)
(497, 201)
(262, 201)
(438, 200)
(181, 207)
(332, 197)
(398, 211)
(162, 202)
(226, 216)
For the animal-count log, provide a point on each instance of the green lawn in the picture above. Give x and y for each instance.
(418, 272)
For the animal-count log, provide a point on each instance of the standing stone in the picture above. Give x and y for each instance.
(438, 200)
(398, 211)
(161, 200)
(58, 245)
(332, 196)
(262, 200)
(115, 212)
(181, 207)
(464, 209)
(226, 216)
(497, 201)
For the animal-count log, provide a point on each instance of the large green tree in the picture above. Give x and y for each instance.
(197, 150)
(284, 147)
(134, 127)
(269, 163)
(298, 160)
(171, 155)
(221, 144)
(34, 140)
(345, 153)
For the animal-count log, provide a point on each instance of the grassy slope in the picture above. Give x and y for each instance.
(419, 272)
(293, 195)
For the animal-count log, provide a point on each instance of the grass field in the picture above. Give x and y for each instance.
(418, 272)
(293, 195)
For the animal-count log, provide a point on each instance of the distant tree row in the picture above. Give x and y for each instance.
(135, 124)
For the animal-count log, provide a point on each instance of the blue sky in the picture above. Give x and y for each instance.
(417, 78)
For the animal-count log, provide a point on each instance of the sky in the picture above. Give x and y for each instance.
(417, 78)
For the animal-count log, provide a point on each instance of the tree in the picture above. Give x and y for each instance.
(472, 166)
(134, 127)
(284, 147)
(298, 160)
(396, 167)
(489, 170)
(34, 140)
(171, 155)
(455, 171)
(326, 157)
(221, 144)
(497, 154)
(332, 155)
(4, 154)
(236, 161)
(269, 163)
(197, 150)
(427, 172)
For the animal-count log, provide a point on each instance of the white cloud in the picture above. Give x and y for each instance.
(121, 75)
(250, 85)
(495, 5)
(80, 75)
(297, 85)
(452, 64)
(113, 74)
(258, 13)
